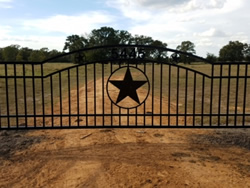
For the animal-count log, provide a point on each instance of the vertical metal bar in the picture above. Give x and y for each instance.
(52, 101)
(136, 110)
(25, 97)
(194, 99)
(78, 97)
(16, 96)
(211, 96)
(86, 94)
(69, 96)
(94, 67)
(119, 107)
(120, 119)
(34, 94)
(169, 93)
(245, 95)
(103, 102)
(43, 99)
(177, 96)
(186, 96)
(111, 107)
(7, 95)
(144, 105)
(236, 97)
(202, 100)
(228, 92)
(0, 116)
(161, 74)
(153, 80)
(60, 95)
(220, 89)
(128, 117)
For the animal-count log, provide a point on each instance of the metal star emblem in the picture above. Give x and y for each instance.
(127, 87)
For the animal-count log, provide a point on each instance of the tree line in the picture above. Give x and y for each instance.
(15, 53)
(233, 51)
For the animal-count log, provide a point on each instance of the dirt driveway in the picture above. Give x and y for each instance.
(125, 158)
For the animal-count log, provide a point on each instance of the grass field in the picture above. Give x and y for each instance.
(167, 82)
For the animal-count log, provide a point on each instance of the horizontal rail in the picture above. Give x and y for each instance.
(108, 115)
(130, 126)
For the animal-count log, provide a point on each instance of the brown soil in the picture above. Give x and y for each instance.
(125, 157)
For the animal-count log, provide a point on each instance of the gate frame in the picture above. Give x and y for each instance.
(171, 61)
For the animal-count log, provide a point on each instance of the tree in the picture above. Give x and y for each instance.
(247, 52)
(141, 40)
(38, 55)
(73, 43)
(23, 54)
(124, 37)
(211, 57)
(188, 47)
(104, 36)
(159, 54)
(34, 56)
(233, 51)
(43, 53)
(109, 36)
(10, 52)
(1, 54)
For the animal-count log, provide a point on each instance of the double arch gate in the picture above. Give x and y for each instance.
(124, 86)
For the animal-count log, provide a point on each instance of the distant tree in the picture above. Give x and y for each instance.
(211, 57)
(23, 54)
(73, 43)
(100, 37)
(104, 36)
(33, 56)
(1, 54)
(151, 53)
(124, 37)
(247, 52)
(53, 53)
(10, 52)
(233, 51)
(43, 53)
(141, 40)
(159, 54)
(109, 36)
(188, 47)
(37, 55)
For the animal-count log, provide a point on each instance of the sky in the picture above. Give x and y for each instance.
(209, 24)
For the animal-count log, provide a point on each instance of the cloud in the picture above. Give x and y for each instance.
(5, 3)
(65, 24)
(168, 5)
(4, 30)
(212, 32)
(160, 3)
(209, 24)
(240, 36)
(52, 31)
(35, 42)
(201, 4)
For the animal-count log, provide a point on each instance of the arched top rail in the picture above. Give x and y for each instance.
(146, 47)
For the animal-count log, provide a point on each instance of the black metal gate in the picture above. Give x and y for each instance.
(124, 86)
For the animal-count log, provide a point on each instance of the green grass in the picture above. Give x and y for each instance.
(159, 84)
